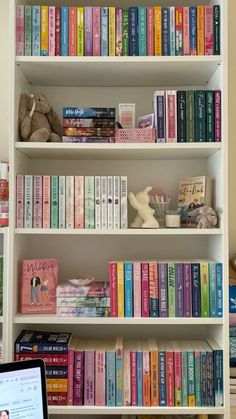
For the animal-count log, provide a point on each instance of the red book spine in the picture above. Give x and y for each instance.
(209, 30)
(96, 31)
(72, 31)
(170, 378)
(178, 378)
(217, 94)
(71, 353)
(133, 373)
(58, 399)
(49, 359)
(150, 31)
(145, 290)
(58, 31)
(113, 289)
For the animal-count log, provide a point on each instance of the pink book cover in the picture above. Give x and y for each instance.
(153, 288)
(72, 31)
(171, 117)
(20, 30)
(187, 290)
(100, 381)
(186, 31)
(150, 31)
(145, 289)
(46, 201)
(217, 94)
(39, 279)
(52, 30)
(133, 373)
(70, 201)
(170, 377)
(113, 289)
(209, 30)
(78, 377)
(177, 374)
(118, 31)
(137, 288)
(96, 31)
(20, 201)
(146, 379)
(79, 201)
(38, 202)
(71, 353)
(89, 378)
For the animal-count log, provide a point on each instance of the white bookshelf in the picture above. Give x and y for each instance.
(4, 320)
(107, 81)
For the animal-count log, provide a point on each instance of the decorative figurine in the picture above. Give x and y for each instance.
(140, 202)
(206, 217)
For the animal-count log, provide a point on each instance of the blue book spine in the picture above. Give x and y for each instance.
(64, 31)
(163, 297)
(191, 378)
(232, 300)
(204, 378)
(36, 36)
(193, 30)
(110, 379)
(184, 360)
(219, 276)
(179, 297)
(198, 378)
(133, 31)
(72, 112)
(139, 360)
(142, 27)
(218, 378)
(195, 274)
(213, 293)
(166, 30)
(104, 31)
(210, 379)
(162, 377)
(119, 379)
(128, 289)
(172, 30)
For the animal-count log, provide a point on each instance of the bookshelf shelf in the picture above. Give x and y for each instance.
(82, 410)
(118, 71)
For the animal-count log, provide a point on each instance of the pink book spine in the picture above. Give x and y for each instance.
(89, 378)
(70, 201)
(113, 289)
(137, 288)
(52, 30)
(20, 30)
(170, 378)
(217, 116)
(145, 289)
(72, 31)
(70, 382)
(186, 30)
(100, 378)
(118, 31)
(79, 201)
(46, 201)
(178, 374)
(153, 289)
(209, 30)
(133, 374)
(38, 202)
(96, 31)
(150, 31)
(171, 117)
(78, 378)
(20, 201)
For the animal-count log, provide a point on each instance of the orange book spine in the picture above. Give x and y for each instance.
(157, 31)
(72, 31)
(146, 379)
(200, 31)
(154, 378)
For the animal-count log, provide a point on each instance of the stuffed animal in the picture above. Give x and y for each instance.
(37, 119)
(140, 202)
(206, 217)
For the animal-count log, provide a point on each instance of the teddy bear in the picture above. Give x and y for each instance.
(37, 119)
(206, 217)
(140, 202)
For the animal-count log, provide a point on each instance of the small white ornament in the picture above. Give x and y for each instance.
(140, 202)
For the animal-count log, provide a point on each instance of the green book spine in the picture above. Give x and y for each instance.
(216, 29)
(198, 378)
(89, 202)
(191, 380)
(171, 289)
(184, 379)
(190, 129)
(200, 116)
(142, 27)
(125, 34)
(28, 31)
(210, 137)
(205, 311)
(54, 202)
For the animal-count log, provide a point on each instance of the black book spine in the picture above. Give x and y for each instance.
(181, 116)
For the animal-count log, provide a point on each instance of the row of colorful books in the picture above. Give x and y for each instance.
(166, 289)
(115, 31)
(187, 116)
(1, 285)
(94, 202)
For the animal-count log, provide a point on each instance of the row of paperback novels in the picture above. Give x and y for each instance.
(187, 116)
(166, 289)
(93, 202)
(1, 285)
(116, 31)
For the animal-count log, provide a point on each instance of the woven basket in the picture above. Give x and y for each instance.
(136, 135)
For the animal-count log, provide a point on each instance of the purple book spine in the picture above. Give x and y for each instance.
(217, 116)
(89, 378)
(78, 378)
(88, 33)
(163, 289)
(187, 290)
(179, 300)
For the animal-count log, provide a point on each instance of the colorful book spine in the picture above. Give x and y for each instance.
(186, 35)
(123, 202)
(181, 116)
(200, 116)
(70, 198)
(160, 115)
(153, 290)
(98, 215)
(89, 378)
(28, 30)
(150, 31)
(177, 375)
(172, 31)
(28, 202)
(88, 31)
(46, 201)
(104, 31)
(104, 202)
(36, 30)
(165, 31)
(110, 378)
(162, 376)
(120, 289)
(219, 281)
(133, 31)
(205, 309)
(54, 202)
(64, 31)
(178, 31)
(113, 289)
(38, 202)
(58, 31)
(44, 30)
(137, 288)
(112, 32)
(139, 378)
(184, 375)
(146, 379)
(217, 95)
(193, 30)
(78, 377)
(116, 189)
(79, 202)
(197, 373)
(191, 378)
(212, 290)
(170, 376)
(100, 371)
(163, 293)
(171, 289)
(154, 385)
(200, 30)
(119, 372)
(142, 30)
(216, 29)
(119, 31)
(171, 116)
(210, 135)
(187, 290)
(80, 31)
(145, 289)
(70, 395)
(127, 378)
(209, 42)
(157, 31)
(179, 297)
(128, 280)
(96, 31)
(190, 116)
(52, 30)
(19, 201)
(89, 205)
(133, 377)
(72, 31)
(195, 274)
(110, 203)
(125, 32)
(20, 30)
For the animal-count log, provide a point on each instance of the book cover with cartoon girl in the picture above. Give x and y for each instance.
(39, 280)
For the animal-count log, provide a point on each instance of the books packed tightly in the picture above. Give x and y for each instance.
(126, 373)
(117, 31)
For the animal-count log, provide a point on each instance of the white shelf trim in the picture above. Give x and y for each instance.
(84, 410)
(124, 232)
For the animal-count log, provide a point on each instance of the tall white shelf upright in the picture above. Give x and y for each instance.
(107, 81)
(4, 250)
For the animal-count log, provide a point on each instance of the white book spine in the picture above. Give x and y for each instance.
(62, 201)
(123, 202)
(98, 202)
(110, 208)
(38, 208)
(116, 201)
(89, 202)
(104, 201)
(70, 201)
(28, 201)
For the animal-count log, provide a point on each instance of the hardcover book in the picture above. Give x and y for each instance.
(34, 342)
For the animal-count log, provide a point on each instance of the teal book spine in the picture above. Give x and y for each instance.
(128, 281)
(54, 202)
(213, 291)
(218, 378)
(119, 378)
(184, 378)
(28, 30)
(210, 136)
(142, 27)
(140, 378)
(171, 289)
(36, 32)
(200, 116)
(125, 33)
(190, 120)
(219, 281)
(198, 378)
(110, 378)
(191, 380)
(89, 202)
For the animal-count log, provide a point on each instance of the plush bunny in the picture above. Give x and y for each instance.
(37, 119)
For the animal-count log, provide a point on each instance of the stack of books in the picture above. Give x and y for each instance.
(1, 285)
(53, 349)
(76, 300)
(166, 289)
(1, 350)
(115, 31)
(89, 125)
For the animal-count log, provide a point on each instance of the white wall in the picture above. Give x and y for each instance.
(4, 79)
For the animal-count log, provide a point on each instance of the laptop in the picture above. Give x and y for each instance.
(23, 390)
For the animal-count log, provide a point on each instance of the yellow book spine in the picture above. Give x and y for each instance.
(80, 31)
(120, 287)
(57, 385)
(44, 30)
(157, 31)
(200, 31)
(191, 401)
(112, 31)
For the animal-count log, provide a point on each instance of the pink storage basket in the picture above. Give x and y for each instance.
(136, 135)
